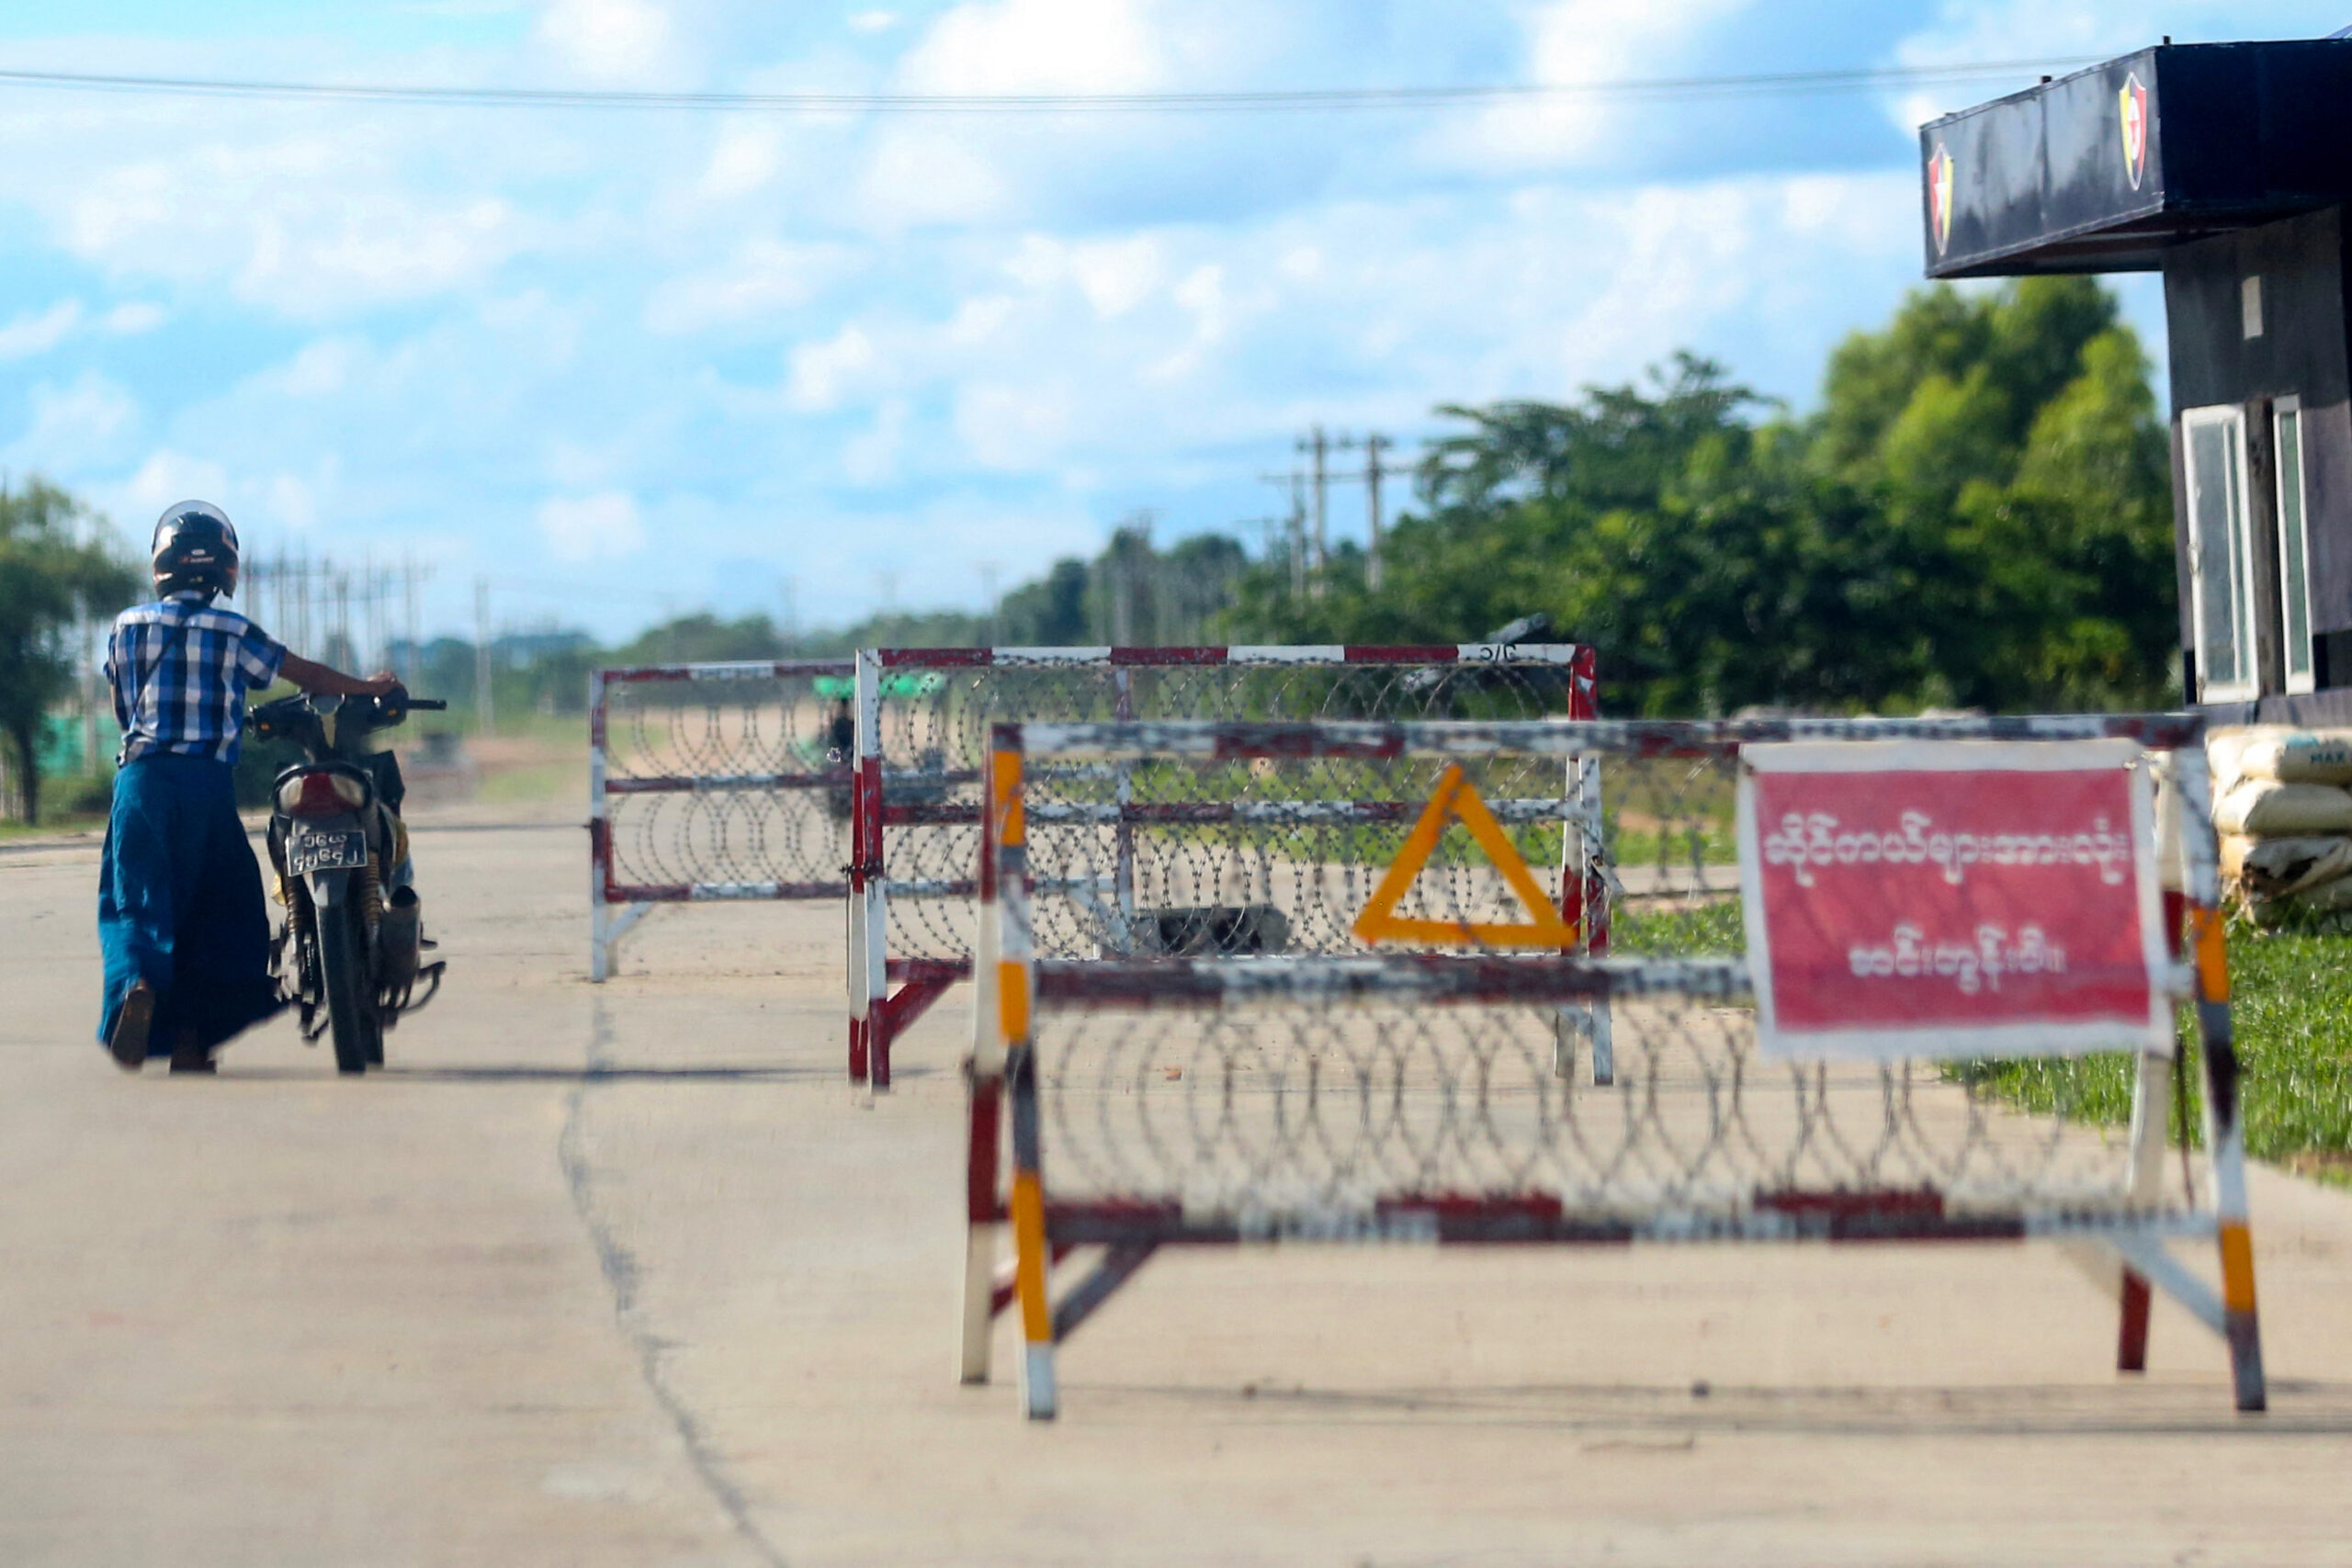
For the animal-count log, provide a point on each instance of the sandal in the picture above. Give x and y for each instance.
(128, 1042)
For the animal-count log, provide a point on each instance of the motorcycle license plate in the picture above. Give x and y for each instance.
(343, 850)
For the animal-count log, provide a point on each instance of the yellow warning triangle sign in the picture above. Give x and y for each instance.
(1456, 800)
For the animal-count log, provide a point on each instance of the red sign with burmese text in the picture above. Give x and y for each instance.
(1951, 899)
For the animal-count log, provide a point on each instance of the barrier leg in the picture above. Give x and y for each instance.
(1038, 1396)
(1584, 1024)
(1584, 901)
(2132, 1337)
(2241, 1323)
(869, 930)
(600, 837)
(860, 995)
(980, 1241)
(607, 930)
(2224, 1135)
(2150, 1102)
(1585, 843)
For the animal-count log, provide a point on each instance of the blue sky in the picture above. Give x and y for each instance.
(628, 364)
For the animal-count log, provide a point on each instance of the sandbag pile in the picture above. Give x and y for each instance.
(2283, 807)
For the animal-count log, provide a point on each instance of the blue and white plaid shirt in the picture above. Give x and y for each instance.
(184, 691)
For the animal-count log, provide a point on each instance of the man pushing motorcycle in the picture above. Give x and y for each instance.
(181, 918)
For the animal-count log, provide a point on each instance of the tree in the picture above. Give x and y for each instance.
(48, 578)
(1051, 612)
(703, 639)
(1612, 450)
(1977, 513)
(2013, 437)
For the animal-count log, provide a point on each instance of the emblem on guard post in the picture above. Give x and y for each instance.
(2133, 103)
(1939, 192)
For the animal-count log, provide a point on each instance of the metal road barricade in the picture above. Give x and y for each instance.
(710, 783)
(1430, 1093)
(923, 724)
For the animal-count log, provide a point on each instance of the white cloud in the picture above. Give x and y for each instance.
(1117, 275)
(980, 318)
(763, 278)
(922, 173)
(1202, 294)
(321, 369)
(1528, 295)
(870, 326)
(822, 372)
(611, 40)
(133, 319)
(39, 331)
(575, 466)
(872, 21)
(1032, 46)
(1973, 31)
(83, 423)
(293, 501)
(743, 159)
(1570, 43)
(591, 528)
(167, 476)
(301, 227)
(1016, 428)
(872, 456)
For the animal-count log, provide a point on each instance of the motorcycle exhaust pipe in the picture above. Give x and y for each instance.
(399, 936)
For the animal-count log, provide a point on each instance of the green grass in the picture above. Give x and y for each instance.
(2292, 1006)
(1677, 930)
(12, 830)
(70, 803)
(532, 781)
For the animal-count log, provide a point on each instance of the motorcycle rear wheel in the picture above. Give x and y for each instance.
(351, 992)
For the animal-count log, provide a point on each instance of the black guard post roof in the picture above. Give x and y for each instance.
(2104, 170)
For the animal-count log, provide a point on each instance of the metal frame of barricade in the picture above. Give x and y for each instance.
(614, 906)
(2132, 1229)
(878, 1014)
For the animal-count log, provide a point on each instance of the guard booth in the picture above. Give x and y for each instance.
(2226, 167)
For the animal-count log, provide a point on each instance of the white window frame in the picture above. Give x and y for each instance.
(2294, 551)
(2248, 686)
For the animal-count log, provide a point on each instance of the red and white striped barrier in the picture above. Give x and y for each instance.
(748, 740)
(1409, 1097)
(920, 722)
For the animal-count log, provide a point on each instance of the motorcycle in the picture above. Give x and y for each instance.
(350, 953)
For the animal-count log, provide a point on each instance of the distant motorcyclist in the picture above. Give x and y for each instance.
(181, 919)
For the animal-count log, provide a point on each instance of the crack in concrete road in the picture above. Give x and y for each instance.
(621, 1276)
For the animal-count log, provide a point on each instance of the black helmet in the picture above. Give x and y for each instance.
(195, 547)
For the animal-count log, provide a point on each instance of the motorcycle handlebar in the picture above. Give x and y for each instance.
(427, 705)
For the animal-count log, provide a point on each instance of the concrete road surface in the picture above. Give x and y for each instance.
(623, 1276)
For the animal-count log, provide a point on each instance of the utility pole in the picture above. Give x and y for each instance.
(1122, 601)
(1372, 478)
(371, 618)
(1298, 559)
(988, 603)
(416, 667)
(791, 616)
(1319, 445)
(1137, 578)
(483, 717)
(341, 633)
(86, 647)
(1293, 529)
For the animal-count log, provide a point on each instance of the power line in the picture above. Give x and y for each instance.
(1762, 84)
